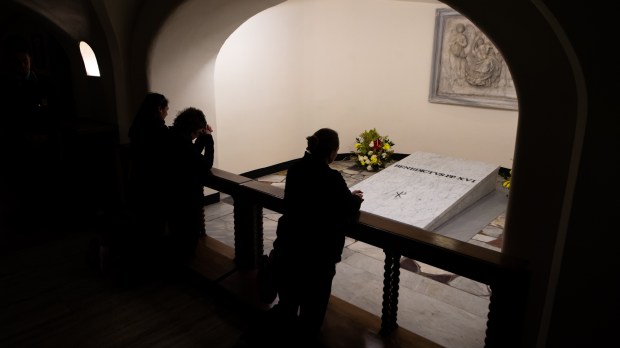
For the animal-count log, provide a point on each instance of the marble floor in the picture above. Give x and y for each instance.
(446, 308)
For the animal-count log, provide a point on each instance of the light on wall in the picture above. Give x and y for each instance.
(90, 60)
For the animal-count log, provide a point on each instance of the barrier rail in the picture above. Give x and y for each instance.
(506, 276)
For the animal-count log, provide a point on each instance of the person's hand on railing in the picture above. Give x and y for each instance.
(359, 194)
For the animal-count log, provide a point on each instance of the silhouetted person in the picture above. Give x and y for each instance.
(169, 166)
(310, 236)
(148, 136)
(189, 161)
(27, 98)
(136, 247)
(29, 144)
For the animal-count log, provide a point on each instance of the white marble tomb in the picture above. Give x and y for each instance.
(426, 189)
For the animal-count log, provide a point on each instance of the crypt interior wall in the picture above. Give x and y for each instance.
(302, 65)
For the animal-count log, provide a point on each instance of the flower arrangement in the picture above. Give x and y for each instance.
(372, 151)
(507, 177)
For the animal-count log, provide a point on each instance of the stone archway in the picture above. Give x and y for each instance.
(549, 88)
(551, 96)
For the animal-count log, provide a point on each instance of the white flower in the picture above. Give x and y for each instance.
(384, 155)
(370, 153)
(369, 168)
(371, 144)
(360, 158)
(373, 156)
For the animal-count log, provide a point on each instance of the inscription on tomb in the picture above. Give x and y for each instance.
(426, 189)
(434, 172)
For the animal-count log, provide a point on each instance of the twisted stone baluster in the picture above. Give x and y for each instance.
(507, 310)
(391, 279)
(248, 233)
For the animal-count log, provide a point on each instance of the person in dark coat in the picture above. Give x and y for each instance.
(29, 146)
(190, 155)
(168, 169)
(148, 136)
(311, 234)
(130, 250)
(29, 116)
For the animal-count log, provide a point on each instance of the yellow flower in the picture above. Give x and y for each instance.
(506, 182)
(386, 147)
(373, 159)
(358, 145)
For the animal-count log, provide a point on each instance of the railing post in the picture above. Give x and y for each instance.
(248, 232)
(391, 280)
(506, 311)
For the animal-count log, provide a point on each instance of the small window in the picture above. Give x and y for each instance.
(90, 61)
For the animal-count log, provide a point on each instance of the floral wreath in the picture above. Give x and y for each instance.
(372, 151)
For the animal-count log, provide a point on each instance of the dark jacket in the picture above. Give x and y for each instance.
(319, 210)
(148, 147)
(187, 172)
(188, 163)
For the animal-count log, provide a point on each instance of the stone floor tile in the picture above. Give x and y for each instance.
(499, 221)
(409, 265)
(368, 249)
(350, 171)
(428, 269)
(217, 210)
(273, 178)
(484, 238)
(492, 231)
(485, 245)
(498, 243)
(470, 286)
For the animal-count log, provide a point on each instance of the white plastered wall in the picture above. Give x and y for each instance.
(349, 65)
